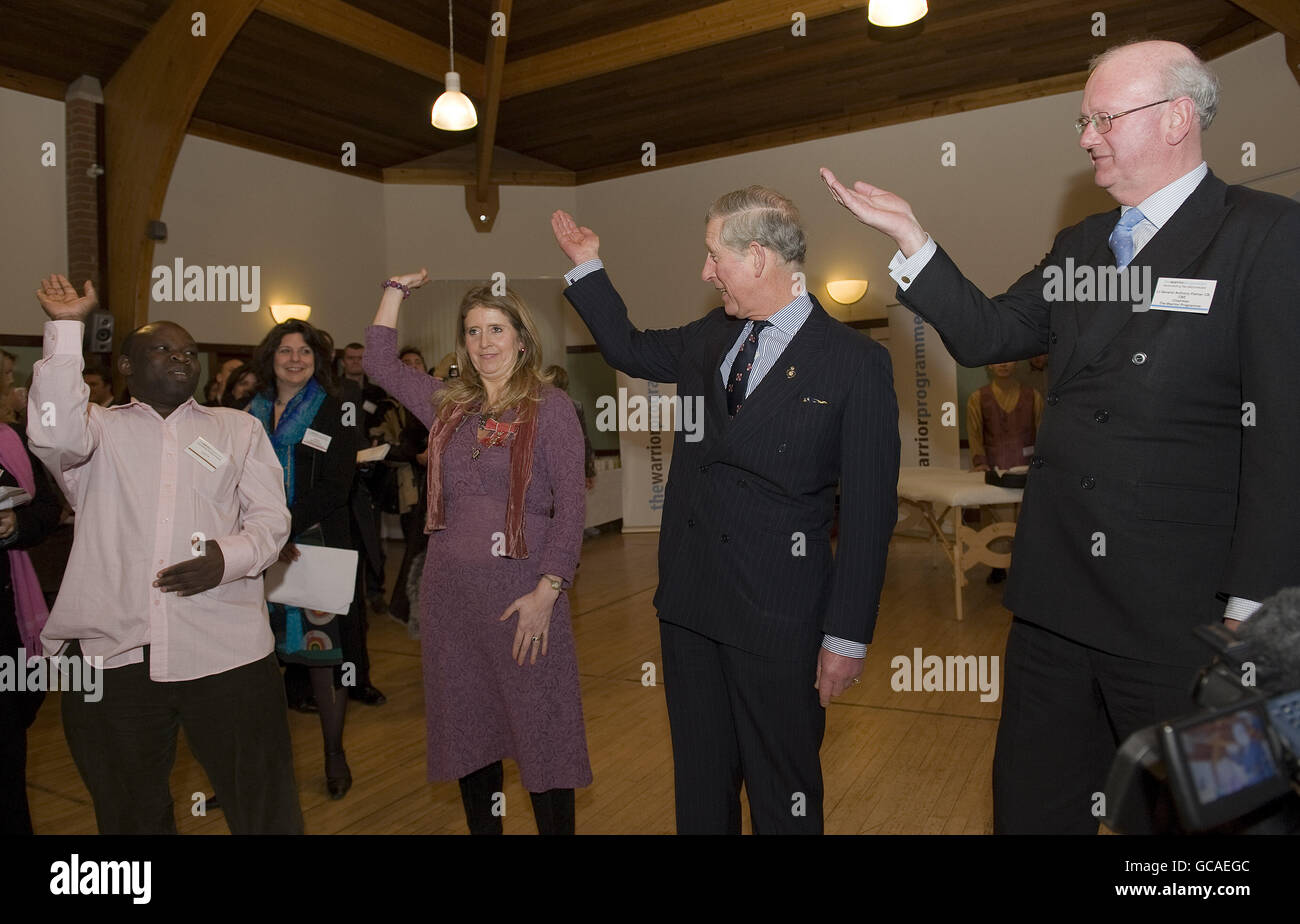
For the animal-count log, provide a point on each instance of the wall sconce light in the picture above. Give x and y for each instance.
(847, 291)
(283, 313)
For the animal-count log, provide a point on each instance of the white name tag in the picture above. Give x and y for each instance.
(316, 440)
(207, 455)
(1191, 295)
(369, 406)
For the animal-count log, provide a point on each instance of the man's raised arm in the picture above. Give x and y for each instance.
(645, 354)
(976, 329)
(59, 429)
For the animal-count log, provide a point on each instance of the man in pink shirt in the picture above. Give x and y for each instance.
(180, 508)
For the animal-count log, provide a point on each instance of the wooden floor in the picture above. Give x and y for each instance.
(894, 762)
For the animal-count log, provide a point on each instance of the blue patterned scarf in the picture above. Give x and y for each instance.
(285, 437)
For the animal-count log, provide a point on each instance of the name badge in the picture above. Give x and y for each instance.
(316, 440)
(1190, 295)
(369, 407)
(207, 455)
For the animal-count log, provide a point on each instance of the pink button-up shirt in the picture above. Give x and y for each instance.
(140, 498)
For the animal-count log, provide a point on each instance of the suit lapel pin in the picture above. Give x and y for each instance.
(789, 373)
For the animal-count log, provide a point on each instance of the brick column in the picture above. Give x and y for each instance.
(83, 120)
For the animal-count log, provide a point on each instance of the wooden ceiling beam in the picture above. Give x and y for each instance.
(23, 82)
(464, 176)
(348, 25)
(1282, 15)
(481, 200)
(1238, 38)
(215, 132)
(147, 106)
(674, 35)
(854, 122)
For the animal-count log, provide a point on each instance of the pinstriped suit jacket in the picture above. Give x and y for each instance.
(732, 563)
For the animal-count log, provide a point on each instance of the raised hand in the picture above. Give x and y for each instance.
(386, 314)
(61, 302)
(412, 280)
(880, 209)
(579, 244)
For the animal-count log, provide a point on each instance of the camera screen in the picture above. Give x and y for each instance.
(1227, 754)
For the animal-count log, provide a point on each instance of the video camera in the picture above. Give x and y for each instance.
(1233, 767)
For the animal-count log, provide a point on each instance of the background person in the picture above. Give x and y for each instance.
(406, 483)
(240, 388)
(559, 377)
(23, 613)
(303, 417)
(100, 385)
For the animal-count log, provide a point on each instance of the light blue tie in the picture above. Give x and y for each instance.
(1121, 239)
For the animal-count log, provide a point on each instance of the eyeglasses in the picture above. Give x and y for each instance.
(1101, 120)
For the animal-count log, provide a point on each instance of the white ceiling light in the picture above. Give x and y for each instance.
(892, 13)
(453, 111)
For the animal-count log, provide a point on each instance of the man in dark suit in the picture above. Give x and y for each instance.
(1163, 483)
(759, 625)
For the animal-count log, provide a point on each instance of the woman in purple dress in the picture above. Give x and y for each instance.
(505, 514)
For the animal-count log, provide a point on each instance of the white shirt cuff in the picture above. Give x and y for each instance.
(904, 270)
(583, 269)
(841, 646)
(63, 338)
(1240, 609)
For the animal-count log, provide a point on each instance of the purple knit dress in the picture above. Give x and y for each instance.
(480, 706)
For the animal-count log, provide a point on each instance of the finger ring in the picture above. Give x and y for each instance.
(537, 638)
(856, 681)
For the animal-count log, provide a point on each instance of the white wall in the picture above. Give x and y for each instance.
(33, 203)
(427, 226)
(318, 236)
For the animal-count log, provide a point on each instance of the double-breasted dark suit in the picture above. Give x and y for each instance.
(1164, 478)
(744, 550)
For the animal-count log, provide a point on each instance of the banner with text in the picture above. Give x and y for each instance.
(925, 380)
(645, 452)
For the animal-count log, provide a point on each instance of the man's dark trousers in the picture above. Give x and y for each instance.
(235, 723)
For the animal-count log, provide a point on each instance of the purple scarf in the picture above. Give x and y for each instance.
(29, 602)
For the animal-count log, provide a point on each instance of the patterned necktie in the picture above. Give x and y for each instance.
(737, 382)
(1121, 239)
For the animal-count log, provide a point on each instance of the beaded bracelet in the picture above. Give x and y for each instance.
(394, 284)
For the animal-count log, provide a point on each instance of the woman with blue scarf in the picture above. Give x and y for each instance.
(304, 417)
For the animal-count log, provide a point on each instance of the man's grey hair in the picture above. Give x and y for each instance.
(1190, 77)
(763, 216)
